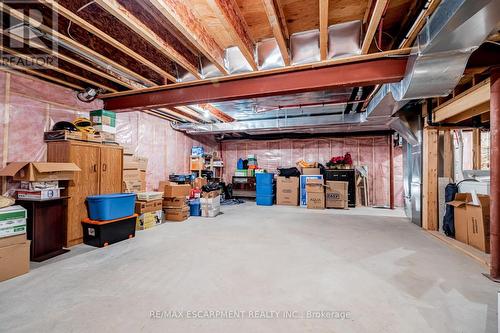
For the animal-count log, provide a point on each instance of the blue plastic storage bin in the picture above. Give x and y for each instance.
(265, 200)
(264, 190)
(264, 178)
(111, 206)
(195, 207)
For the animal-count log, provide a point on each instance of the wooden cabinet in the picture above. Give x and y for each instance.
(102, 173)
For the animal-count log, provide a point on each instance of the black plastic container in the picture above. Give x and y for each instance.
(104, 233)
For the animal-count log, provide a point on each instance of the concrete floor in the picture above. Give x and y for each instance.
(373, 266)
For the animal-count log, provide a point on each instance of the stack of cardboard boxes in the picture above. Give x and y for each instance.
(14, 247)
(104, 122)
(287, 191)
(315, 193)
(134, 173)
(472, 220)
(175, 204)
(210, 204)
(149, 209)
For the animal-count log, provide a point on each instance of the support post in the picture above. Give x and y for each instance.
(391, 172)
(448, 162)
(430, 180)
(476, 149)
(495, 174)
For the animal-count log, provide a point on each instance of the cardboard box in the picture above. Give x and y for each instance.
(199, 182)
(103, 121)
(142, 207)
(460, 216)
(44, 194)
(315, 194)
(39, 185)
(176, 214)
(303, 193)
(12, 213)
(174, 190)
(336, 194)
(143, 163)
(40, 171)
(132, 175)
(287, 191)
(197, 163)
(12, 227)
(130, 162)
(478, 223)
(62, 135)
(149, 220)
(311, 171)
(211, 194)
(132, 186)
(174, 202)
(14, 258)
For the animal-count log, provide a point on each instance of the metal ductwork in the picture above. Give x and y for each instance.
(440, 53)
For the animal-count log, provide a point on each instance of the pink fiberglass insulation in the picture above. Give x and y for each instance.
(370, 151)
(28, 107)
(168, 151)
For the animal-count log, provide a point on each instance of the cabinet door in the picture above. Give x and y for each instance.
(111, 170)
(85, 183)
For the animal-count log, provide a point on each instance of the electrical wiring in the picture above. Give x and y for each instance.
(79, 9)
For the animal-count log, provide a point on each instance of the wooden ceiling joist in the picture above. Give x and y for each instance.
(276, 25)
(181, 16)
(471, 102)
(323, 28)
(419, 24)
(230, 17)
(112, 41)
(378, 12)
(55, 68)
(59, 36)
(281, 15)
(121, 13)
(218, 114)
(70, 60)
(45, 76)
(188, 112)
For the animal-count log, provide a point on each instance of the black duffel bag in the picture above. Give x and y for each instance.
(288, 172)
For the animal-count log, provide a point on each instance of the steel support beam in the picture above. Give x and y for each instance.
(355, 74)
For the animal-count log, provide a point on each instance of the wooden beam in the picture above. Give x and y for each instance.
(471, 98)
(430, 179)
(367, 11)
(160, 115)
(122, 14)
(180, 114)
(281, 15)
(323, 28)
(481, 109)
(108, 39)
(41, 46)
(189, 112)
(69, 41)
(55, 68)
(378, 11)
(274, 21)
(448, 154)
(230, 17)
(218, 114)
(46, 77)
(181, 17)
(476, 149)
(419, 24)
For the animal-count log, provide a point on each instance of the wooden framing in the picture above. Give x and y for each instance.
(230, 17)
(323, 29)
(6, 119)
(476, 149)
(181, 16)
(430, 179)
(46, 77)
(281, 15)
(275, 22)
(473, 98)
(122, 14)
(70, 60)
(480, 110)
(448, 154)
(218, 114)
(188, 112)
(419, 24)
(20, 16)
(56, 68)
(108, 39)
(378, 11)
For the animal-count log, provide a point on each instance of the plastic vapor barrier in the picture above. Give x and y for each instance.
(369, 151)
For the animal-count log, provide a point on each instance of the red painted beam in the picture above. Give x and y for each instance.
(495, 175)
(356, 74)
